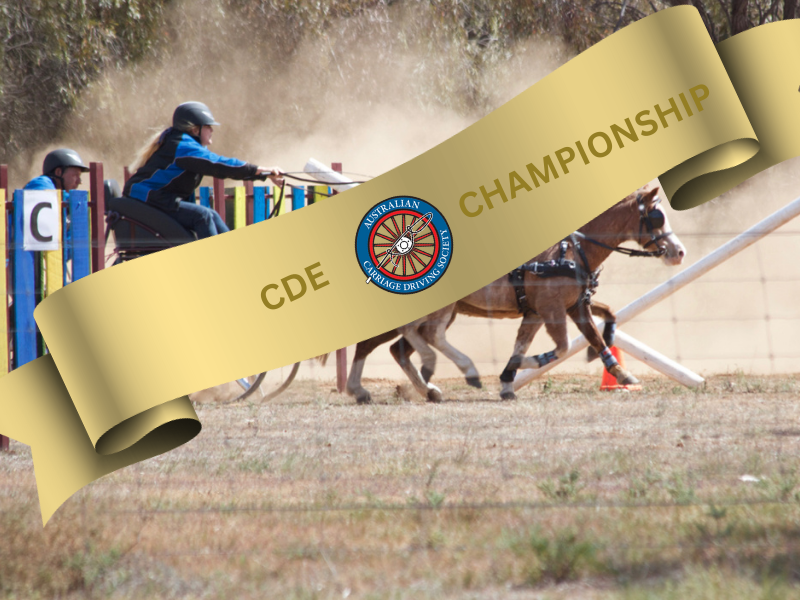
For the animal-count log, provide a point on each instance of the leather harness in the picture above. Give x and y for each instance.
(561, 267)
(581, 273)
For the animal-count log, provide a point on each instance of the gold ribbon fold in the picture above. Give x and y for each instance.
(763, 67)
(656, 98)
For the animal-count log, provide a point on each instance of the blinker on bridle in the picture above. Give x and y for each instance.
(652, 220)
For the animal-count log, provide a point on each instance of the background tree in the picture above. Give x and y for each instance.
(52, 50)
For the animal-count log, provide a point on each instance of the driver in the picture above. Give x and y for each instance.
(171, 166)
(61, 170)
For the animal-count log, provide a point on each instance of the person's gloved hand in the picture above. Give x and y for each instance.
(274, 174)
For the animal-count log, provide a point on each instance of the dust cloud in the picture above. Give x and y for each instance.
(371, 92)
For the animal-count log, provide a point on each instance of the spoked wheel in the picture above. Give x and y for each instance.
(403, 244)
(271, 383)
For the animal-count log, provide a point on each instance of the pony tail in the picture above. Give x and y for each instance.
(150, 148)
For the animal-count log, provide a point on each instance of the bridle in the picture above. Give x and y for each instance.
(651, 220)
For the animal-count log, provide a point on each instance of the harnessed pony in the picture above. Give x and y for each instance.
(557, 283)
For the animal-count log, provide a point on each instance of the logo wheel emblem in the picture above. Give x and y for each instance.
(403, 245)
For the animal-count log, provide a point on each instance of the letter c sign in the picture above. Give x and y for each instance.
(41, 220)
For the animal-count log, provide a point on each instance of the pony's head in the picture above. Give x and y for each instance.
(655, 233)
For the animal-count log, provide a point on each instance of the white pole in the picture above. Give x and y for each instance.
(656, 360)
(338, 181)
(656, 295)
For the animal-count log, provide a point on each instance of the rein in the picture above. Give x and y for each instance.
(627, 251)
(305, 179)
(265, 176)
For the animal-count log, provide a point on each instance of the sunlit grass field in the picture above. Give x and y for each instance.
(567, 492)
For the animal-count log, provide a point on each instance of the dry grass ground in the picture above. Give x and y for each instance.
(565, 493)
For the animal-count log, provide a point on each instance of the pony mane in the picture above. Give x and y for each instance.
(623, 204)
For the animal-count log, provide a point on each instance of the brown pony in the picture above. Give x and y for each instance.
(541, 295)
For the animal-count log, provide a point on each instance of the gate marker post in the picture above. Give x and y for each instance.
(341, 353)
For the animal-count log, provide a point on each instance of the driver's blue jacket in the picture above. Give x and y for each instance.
(175, 170)
(42, 182)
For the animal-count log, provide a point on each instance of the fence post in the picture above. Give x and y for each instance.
(248, 191)
(98, 195)
(341, 353)
(239, 207)
(219, 198)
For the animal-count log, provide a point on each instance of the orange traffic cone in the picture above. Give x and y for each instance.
(609, 382)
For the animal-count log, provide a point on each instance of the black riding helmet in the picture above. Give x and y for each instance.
(62, 158)
(192, 114)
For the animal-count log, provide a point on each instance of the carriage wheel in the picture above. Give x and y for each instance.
(272, 383)
(402, 254)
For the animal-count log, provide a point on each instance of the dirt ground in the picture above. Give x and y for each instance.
(567, 492)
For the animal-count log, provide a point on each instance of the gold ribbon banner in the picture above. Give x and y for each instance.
(654, 99)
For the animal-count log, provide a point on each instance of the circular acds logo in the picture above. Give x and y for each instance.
(403, 245)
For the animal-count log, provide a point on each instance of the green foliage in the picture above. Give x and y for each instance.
(565, 557)
(53, 49)
(781, 487)
(718, 530)
(434, 498)
(91, 564)
(567, 487)
(641, 487)
(681, 491)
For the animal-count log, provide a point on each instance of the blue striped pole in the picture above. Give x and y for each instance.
(298, 197)
(80, 241)
(23, 289)
(259, 204)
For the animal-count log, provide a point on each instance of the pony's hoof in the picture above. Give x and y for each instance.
(508, 396)
(475, 382)
(628, 380)
(426, 374)
(365, 398)
(434, 396)
(622, 376)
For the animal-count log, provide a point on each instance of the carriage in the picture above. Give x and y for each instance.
(140, 229)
